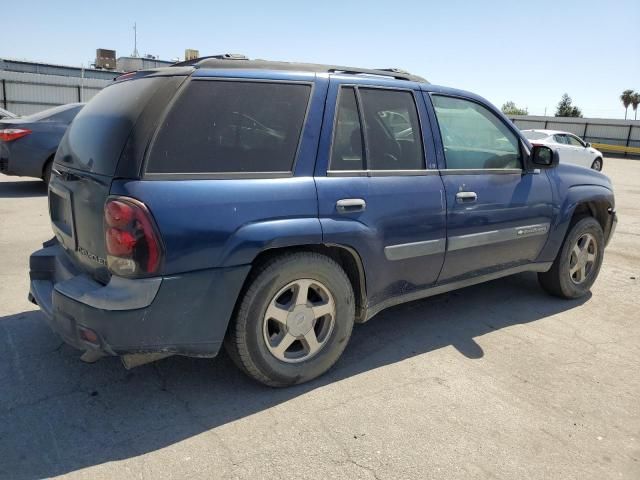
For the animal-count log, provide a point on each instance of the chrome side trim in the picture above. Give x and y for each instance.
(415, 249)
(482, 171)
(381, 173)
(373, 310)
(496, 236)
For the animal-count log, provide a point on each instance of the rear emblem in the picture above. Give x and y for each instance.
(91, 256)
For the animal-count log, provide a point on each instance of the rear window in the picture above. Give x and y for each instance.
(99, 132)
(535, 135)
(219, 126)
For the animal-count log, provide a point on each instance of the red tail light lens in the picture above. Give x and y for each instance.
(10, 134)
(133, 244)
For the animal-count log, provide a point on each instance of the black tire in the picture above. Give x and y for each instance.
(558, 280)
(245, 341)
(46, 171)
(597, 164)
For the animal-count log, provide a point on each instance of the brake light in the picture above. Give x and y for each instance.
(11, 134)
(132, 241)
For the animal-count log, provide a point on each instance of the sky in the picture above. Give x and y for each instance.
(529, 52)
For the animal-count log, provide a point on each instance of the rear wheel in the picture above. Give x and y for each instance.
(578, 263)
(597, 164)
(294, 320)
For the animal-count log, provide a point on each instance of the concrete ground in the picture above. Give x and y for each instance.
(494, 381)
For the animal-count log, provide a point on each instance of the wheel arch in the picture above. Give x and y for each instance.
(347, 257)
(581, 200)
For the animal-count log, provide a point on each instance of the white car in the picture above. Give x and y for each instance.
(572, 149)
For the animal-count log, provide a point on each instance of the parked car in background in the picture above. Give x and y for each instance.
(572, 149)
(28, 144)
(269, 206)
(6, 114)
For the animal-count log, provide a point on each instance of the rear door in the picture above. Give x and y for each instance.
(498, 215)
(379, 192)
(87, 160)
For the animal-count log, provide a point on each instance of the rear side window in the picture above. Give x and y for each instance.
(219, 126)
(391, 131)
(530, 135)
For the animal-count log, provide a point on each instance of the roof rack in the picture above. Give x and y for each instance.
(236, 60)
(221, 56)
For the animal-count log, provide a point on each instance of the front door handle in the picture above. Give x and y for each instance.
(466, 197)
(350, 205)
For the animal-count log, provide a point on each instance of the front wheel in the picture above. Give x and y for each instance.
(597, 164)
(578, 263)
(294, 320)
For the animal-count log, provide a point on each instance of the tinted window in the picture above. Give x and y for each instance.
(561, 139)
(346, 153)
(474, 137)
(574, 141)
(231, 126)
(98, 133)
(392, 130)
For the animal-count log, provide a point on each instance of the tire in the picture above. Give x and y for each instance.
(561, 280)
(597, 164)
(46, 171)
(256, 340)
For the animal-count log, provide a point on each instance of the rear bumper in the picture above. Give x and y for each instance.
(184, 314)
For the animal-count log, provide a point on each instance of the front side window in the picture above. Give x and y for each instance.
(574, 141)
(474, 137)
(231, 126)
(391, 131)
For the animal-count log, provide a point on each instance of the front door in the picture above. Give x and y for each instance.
(498, 215)
(376, 194)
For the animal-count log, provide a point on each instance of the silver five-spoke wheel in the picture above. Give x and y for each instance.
(299, 320)
(583, 258)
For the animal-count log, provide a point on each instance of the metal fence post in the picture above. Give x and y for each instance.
(4, 93)
(79, 94)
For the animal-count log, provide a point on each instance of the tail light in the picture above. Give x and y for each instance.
(11, 134)
(132, 240)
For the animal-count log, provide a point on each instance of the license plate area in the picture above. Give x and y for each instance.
(61, 212)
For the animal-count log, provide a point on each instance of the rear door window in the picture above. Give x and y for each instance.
(391, 131)
(220, 126)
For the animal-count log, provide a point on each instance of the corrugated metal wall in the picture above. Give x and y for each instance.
(26, 93)
(595, 130)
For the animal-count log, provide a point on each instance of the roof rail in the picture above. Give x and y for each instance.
(230, 60)
(222, 56)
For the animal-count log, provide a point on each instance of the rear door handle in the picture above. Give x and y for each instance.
(466, 197)
(350, 205)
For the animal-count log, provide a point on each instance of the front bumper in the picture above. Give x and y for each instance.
(183, 314)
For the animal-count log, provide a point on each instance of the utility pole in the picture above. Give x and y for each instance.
(135, 41)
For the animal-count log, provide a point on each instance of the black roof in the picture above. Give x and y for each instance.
(240, 61)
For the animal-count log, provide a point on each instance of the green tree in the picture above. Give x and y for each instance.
(566, 109)
(626, 99)
(510, 108)
(635, 101)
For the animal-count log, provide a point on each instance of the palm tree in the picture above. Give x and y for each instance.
(625, 98)
(635, 101)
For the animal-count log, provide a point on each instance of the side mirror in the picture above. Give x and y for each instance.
(588, 145)
(544, 157)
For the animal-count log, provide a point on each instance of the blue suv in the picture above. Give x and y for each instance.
(269, 206)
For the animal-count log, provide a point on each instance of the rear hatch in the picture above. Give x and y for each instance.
(106, 140)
